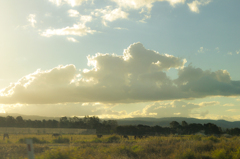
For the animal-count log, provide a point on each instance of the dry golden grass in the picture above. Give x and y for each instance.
(115, 147)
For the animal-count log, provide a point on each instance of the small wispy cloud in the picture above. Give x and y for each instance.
(79, 29)
(73, 13)
(229, 53)
(229, 105)
(110, 15)
(73, 3)
(237, 51)
(72, 39)
(119, 28)
(217, 49)
(202, 50)
(194, 6)
(233, 110)
(31, 19)
(204, 104)
(146, 16)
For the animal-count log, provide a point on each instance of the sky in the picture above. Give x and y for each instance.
(120, 58)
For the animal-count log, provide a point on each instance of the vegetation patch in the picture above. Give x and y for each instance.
(34, 139)
(113, 139)
(61, 140)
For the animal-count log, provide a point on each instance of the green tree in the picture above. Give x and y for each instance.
(10, 121)
(20, 122)
(174, 125)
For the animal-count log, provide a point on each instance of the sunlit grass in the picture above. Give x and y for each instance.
(115, 147)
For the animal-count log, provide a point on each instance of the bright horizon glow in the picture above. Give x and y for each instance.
(121, 59)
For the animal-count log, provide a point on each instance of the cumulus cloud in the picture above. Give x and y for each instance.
(139, 75)
(194, 6)
(31, 19)
(73, 3)
(206, 83)
(79, 29)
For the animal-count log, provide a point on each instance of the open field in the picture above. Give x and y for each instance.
(115, 147)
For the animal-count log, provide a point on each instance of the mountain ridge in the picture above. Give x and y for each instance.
(164, 122)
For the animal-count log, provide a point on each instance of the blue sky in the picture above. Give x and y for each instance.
(165, 58)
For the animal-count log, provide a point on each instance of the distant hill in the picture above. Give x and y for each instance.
(164, 122)
(32, 117)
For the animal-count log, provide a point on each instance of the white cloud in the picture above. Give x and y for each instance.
(110, 15)
(119, 28)
(73, 109)
(56, 2)
(194, 6)
(202, 50)
(112, 79)
(137, 4)
(139, 75)
(217, 49)
(79, 29)
(31, 19)
(229, 105)
(237, 51)
(229, 53)
(115, 14)
(175, 108)
(233, 110)
(73, 3)
(204, 104)
(72, 39)
(146, 16)
(76, 29)
(73, 13)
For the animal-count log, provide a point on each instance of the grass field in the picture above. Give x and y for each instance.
(115, 147)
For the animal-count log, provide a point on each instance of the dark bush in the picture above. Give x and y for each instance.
(61, 140)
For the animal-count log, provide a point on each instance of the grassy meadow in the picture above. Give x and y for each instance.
(115, 147)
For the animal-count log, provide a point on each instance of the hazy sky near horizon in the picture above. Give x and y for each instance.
(120, 58)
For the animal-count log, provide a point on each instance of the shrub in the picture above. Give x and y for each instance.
(61, 140)
(203, 146)
(57, 154)
(97, 140)
(113, 138)
(213, 138)
(127, 151)
(188, 154)
(34, 139)
(196, 137)
(220, 154)
(236, 154)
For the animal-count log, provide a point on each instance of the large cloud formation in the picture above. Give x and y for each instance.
(139, 75)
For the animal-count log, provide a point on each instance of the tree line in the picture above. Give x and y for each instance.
(111, 126)
(87, 122)
(176, 128)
